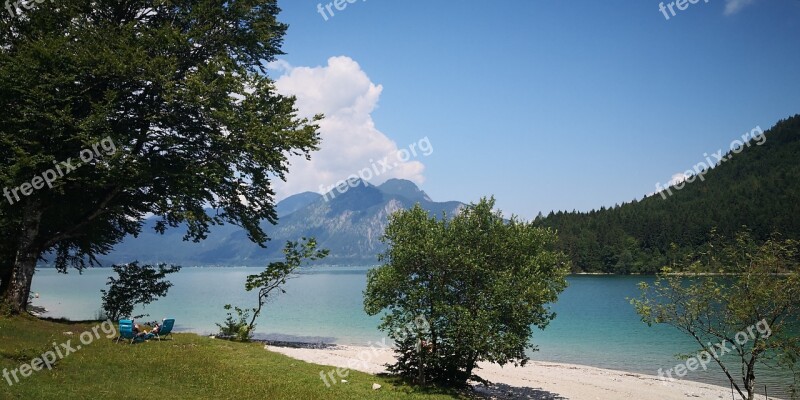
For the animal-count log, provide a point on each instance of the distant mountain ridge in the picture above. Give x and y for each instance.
(349, 224)
(296, 202)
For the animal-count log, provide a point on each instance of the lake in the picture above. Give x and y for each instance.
(595, 324)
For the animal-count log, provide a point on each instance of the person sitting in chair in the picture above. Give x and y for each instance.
(137, 330)
(155, 330)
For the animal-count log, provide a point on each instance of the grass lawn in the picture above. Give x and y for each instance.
(190, 366)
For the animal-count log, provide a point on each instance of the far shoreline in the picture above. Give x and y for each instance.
(366, 267)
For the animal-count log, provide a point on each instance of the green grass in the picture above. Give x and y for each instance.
(190, 366)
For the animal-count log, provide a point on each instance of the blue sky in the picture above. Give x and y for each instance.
(546, 105)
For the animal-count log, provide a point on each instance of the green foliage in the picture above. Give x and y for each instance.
(758, 187)
(751, 284)
(179, 87)
(272, 280)
(479, 281)
(135, 285)
(236, 328)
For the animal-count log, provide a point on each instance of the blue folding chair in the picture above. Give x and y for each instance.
(126, 331)
(166, 329)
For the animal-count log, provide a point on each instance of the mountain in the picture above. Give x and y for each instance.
(758, 188)
(348, 223)
(404, 188)
(296, 202)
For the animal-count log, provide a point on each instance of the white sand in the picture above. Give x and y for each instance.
(537, 380)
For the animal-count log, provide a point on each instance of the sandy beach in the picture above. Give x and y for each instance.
(537, 380)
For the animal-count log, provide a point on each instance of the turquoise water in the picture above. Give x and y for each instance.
(595, 324)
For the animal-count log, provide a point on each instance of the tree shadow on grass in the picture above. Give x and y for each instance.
(65, 321)
(498, 391)
(407, 385)
(503, 391)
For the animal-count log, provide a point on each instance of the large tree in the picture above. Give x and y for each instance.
(180, 90)
(480, 281)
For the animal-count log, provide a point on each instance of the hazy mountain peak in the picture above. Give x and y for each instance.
(296, 202)
(404, 188)
(349, 222)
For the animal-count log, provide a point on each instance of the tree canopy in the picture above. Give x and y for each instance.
(180, 87)
(135, 285)
(748, 307)
(479, 280)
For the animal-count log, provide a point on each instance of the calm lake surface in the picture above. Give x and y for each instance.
(595, 325)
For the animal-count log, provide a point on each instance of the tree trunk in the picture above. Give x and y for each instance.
(8, 249)
(25, 263)
(750, 380)
(5, 278)
(420, 362)
(472, 362)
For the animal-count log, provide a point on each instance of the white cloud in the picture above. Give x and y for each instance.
(280, 66)
(677, 178)
(734, 6)
(350, 141)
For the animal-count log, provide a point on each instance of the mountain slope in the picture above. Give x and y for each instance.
(349, 224)
(405, 189)
(296, 202)
(758, 188)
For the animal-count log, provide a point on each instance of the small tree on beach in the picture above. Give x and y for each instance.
(740, 299)
(270, 282)
(135, 285)
(237, 326)
(481, 282)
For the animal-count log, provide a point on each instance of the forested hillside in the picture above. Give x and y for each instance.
(758, 188)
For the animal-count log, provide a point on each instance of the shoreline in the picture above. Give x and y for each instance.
(537, 380)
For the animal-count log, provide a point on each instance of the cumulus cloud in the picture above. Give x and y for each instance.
(734, 6)
(350, 140)
(677, 178)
